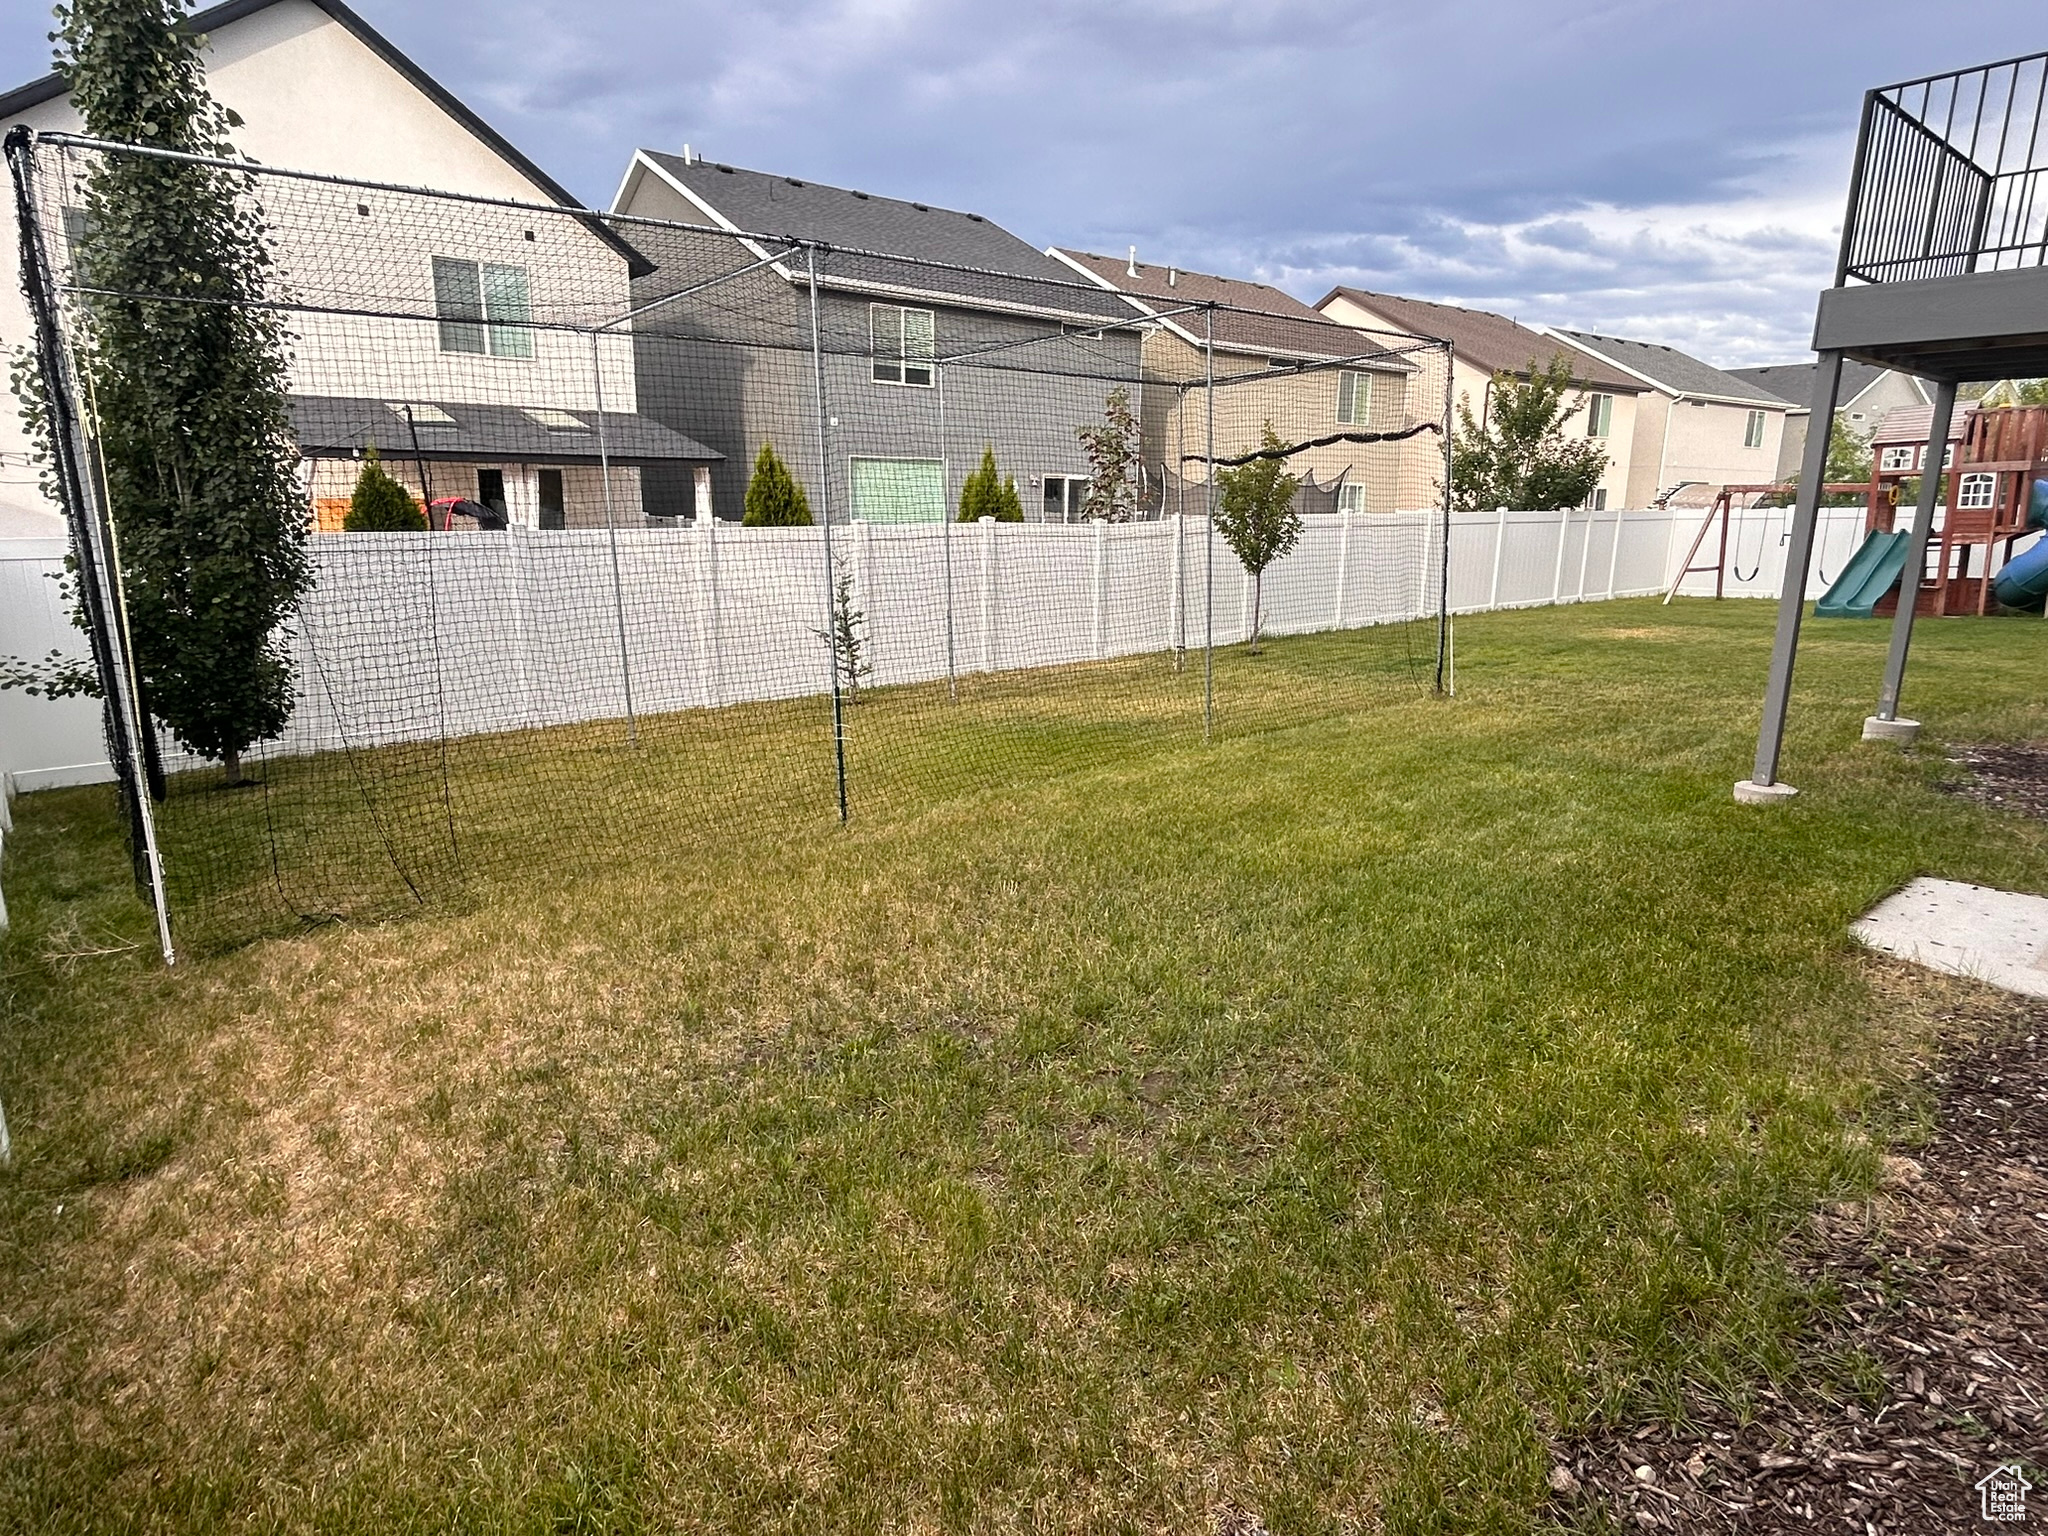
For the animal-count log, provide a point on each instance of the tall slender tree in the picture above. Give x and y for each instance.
(1255, 514)
(188, 379)
(1111, 446)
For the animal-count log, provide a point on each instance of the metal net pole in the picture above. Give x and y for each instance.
(611, 528)
(91, 537)
(1209, 525)
(1445, 682)
(825, 518)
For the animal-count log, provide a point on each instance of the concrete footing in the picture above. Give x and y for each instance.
(1749, 792)
(1904, 732)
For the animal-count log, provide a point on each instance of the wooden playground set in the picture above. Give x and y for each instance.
(1996, 494)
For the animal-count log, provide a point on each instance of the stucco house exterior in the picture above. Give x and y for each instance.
(1696, 427)
(1603, 400)
(1869, 394)
(941, 333)
(1276, 360)
(473, 402)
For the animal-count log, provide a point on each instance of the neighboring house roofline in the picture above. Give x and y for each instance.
(1164, 316)
(1584, 343)
(1393, 309)
(848, 283)
(54, 87)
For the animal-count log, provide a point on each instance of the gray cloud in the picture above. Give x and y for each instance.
(1669, 169)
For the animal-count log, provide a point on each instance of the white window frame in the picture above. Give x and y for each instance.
(1073, 496)
(1753, 430)
(1898, 458)
(1599, 416)
(898, 355)
(1596, 500)
(494, 323)
(1351, 497)
(1354, 398)
(1977, 493)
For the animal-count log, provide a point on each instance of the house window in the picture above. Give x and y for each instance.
(899, 490)
(902, 340)
(1896, 459)
(1354, 398)
(1599, 415)
(1597, 502)
(1753, 430)
(1065, 498)
(1977, 492)
(552, 514)
(490, 489)
(1350, 498)
(484, 307)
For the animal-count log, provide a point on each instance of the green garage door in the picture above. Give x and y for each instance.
(899, 490)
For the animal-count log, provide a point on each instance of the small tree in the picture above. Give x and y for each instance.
(191, 397)
(1522, 457)
(1255, 514)
(1111, 446)
(848, 635)
(983, 495)
(774, 499)
(380, 504)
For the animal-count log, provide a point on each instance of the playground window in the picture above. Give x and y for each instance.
(1977, 492)
(1753, 430)
(1599, 415)
(1898, 457)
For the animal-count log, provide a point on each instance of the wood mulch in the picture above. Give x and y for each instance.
(1943, 1288)
(2013, 776)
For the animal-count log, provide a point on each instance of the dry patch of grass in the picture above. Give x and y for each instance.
(1297, 1131)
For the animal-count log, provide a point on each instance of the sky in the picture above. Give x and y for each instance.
(1667, 170)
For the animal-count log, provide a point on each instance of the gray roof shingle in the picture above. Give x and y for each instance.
(1000, 267)
(1679, 372)
(1262, 319)
(1493, 342)
(335, 426)
(1794, 381)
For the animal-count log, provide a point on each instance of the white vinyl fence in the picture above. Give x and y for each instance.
(408, 636)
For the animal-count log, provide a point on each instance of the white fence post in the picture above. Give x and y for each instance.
(1585, 554)
(1614, 553)
(707, 612)
(1343, 566)
(988, 594)
(1097, 596)
(1564, 527)
(1500, 544)
(1175, 619)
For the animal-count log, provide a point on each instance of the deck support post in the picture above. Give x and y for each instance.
(1886, 725)
(1762, 786)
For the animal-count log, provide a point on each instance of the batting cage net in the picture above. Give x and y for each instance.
(601, 537)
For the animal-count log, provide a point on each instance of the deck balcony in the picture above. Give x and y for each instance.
(1943, 269)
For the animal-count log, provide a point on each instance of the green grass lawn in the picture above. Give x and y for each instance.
(1309, 1124)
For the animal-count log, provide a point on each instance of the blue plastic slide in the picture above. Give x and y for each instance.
(2022, 582)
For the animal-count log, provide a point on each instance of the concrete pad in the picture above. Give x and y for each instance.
(1904, 732)
(1749, 792)
(1998, 937)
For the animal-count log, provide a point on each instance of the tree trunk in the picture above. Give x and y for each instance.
(1258, 601)
(234, 778)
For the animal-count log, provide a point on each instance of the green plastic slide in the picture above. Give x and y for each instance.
(1872, 572)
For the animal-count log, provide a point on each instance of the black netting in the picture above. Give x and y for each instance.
(590, 658)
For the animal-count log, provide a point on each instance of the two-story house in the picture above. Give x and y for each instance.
(1696, 427)
(446, 334)
(1869, 395)
(1277, 362)
(1602, 399)
(939, 334)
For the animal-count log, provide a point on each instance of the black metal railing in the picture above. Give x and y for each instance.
(1951, 175)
